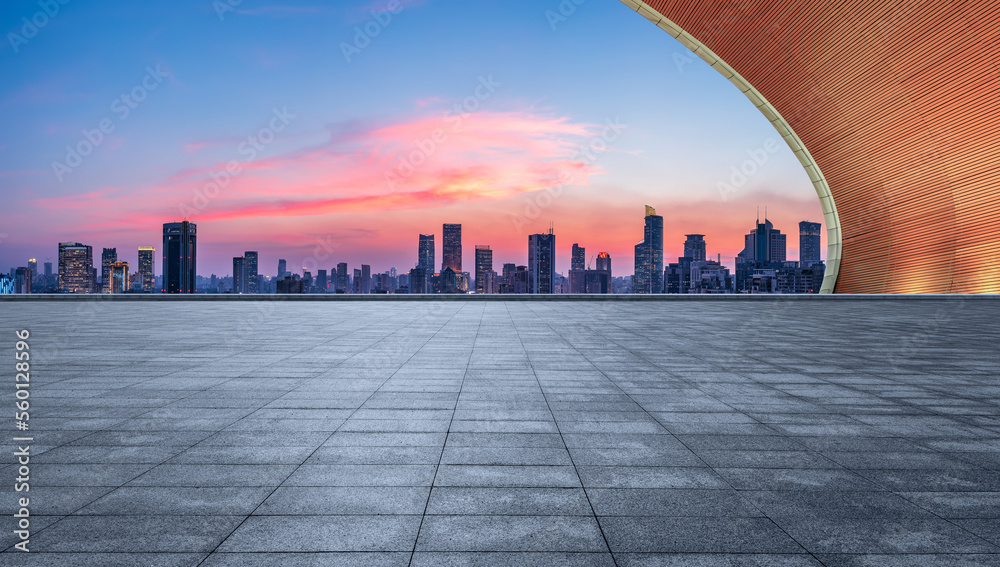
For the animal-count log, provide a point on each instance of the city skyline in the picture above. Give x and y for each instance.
(326, 150)
(655, 274)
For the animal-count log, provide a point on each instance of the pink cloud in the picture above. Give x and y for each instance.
(418, 163)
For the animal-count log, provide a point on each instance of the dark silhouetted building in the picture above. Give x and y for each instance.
(484, 264)
(180, 258)
(343, 283)
(119, 274)
(146, 262)
(108, 256)
(282, 268)
(357, 280)
(366, 278)
(321, 283)
(418, 281)
(577, 267)
(451, 248)
(23, 277)
(764, 249)
(76, 265)
(648, 275)
(694, 247)
(542, 262)
(809, 243)
(425, 253)
(240, 275)
(250, 265)
(290, 284)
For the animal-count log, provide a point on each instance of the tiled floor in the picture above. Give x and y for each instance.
(686, 434)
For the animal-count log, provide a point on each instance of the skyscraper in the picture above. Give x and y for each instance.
(321, 283)
(119, 278)
(343, 285)
(484, 264)
(541, 262)
(240, 274)
(23, 277)
(146, 268)
(179, 257)
(108, 256)
(451, 248)
(366, 278)
(764, 244)
(357, 280)
(250, 265)
(425, 252)
(809, 243)
(694, 247)
(577, 267)
(282, 268)
(648, 276)
(76, 262)
(604, 262)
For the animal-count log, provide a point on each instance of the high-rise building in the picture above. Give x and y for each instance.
(119, 278)
(764, 244)
(146, 261)
(366, 278)
(484, 264)
(541, 262)
(240, 274)
(451, 248)
(418, 281)
(809, 243)
(108, 256)
(250, 265)
(425, 252)
(604, 262)
(321, 283)
(23, 277)
(648, 276)
(577, 267)
(357, 280)
(343, 285)
(76, 264)
(694, 247)
(33, 264)
(764, 249)
(180, 247)
(282, 268)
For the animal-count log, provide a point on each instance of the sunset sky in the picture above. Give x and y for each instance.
(325, 127)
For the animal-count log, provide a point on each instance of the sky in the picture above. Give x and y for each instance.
(324, 132)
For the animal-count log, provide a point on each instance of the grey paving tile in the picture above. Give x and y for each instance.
(498, 476)
(362, 475)
(696, 535)
(670, 502)
(42, 559)
(323, 533)
(176, 501)
(510, 559)
(357, 500)
(510, 533)
(885, 536)
(520, 501)
(135, 534)
(318, 559)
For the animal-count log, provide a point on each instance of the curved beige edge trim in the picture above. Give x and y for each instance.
(831, 219)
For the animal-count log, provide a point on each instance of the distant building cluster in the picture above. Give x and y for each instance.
(761, 267)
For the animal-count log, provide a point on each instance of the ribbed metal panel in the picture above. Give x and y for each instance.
(898, 103)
